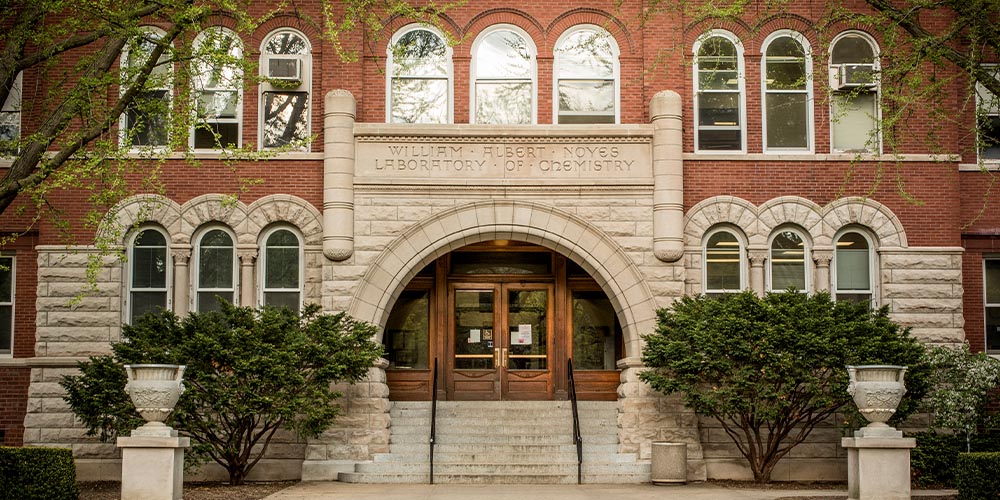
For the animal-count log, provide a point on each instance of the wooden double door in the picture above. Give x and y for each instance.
(500, 341)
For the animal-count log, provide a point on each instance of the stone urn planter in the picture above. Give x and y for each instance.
(877, 391)
(154, 390)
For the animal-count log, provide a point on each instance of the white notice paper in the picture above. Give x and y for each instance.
(474, 336)
(522, 335)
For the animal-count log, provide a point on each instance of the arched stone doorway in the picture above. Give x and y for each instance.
(566, 235)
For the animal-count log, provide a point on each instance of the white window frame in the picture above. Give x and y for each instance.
(877, 90)
(262, 265)
(873, 274)
(981, 94)
(742, 249)
(616, 75)
(741, 83)
(130, 272)
(168, 87)
(807, 263)
(305, 84)
(12, 269)
(14, 104)
(987, 305)
(389, 67)
(196, 267)
(474, 79)
(196, 91)
(810, 127)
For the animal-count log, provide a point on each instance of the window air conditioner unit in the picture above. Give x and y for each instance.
(855, 75)
(286, 69)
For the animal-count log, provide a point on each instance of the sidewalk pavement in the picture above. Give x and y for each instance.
(696, 491)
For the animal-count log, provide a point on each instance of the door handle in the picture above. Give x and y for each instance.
(505, 357)
(496, 357)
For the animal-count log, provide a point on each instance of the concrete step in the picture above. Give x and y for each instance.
(588, 448)
(500, 468)
(541, 439)
(455, 426)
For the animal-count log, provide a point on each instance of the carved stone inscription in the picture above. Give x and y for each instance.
(534, 159)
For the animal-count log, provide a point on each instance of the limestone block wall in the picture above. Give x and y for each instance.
(923, 289)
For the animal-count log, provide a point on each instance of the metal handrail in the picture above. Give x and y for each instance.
(577, 437)
(434, 404)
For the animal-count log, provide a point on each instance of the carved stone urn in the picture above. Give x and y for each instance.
(154, 390)
(877, 390)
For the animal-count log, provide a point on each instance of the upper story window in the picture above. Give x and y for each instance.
(854, 78)
(149, 273)
(281, 268)
(503, 63)
(988, 120)
(724, 269)
(787, 83)
(218, 89)
(286, 65)
(10, 119)
(215, 270)
(586, 76)
(852, 260)
(719, 93)
(788, 266)
(6, 306)
(146, 120)
(419, 84)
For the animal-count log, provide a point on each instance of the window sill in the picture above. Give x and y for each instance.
(988, 165)
(813, 157)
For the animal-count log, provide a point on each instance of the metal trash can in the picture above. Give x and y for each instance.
(668, 463)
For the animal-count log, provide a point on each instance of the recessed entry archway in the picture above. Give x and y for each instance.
(536, 223)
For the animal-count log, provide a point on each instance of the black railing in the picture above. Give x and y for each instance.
(577, 437)
(434, 409)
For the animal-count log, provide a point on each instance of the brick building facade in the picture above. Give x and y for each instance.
(557, 152)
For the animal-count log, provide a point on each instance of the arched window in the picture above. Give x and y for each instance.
(146, 121)
(149, 273)
(10, 119)
(503, 63)
(286, 65)
(786, 75)
(215, 269)
(789, 262)
(719, 93)
(419, 84)
(724, 267)
(853, 261)
(281, 269)
(218, 90)
(854, 68)
(586, 76)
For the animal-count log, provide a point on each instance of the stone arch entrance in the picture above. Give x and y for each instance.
(530, 222)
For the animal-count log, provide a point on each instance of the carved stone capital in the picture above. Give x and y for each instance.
(822, 257)
(181, 256)
(247, 257)
(757, 257)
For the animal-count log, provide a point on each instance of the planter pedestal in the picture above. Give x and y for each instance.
(153, 467)
(878, 468)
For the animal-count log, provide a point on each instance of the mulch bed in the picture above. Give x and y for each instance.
(111, 490)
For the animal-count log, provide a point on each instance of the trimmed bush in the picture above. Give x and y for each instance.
(977, 476)
(37, 474)
(932, 462)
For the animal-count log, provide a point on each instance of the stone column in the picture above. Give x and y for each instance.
(338, 175)
(822, 257)
(248, 258)
(668, 176)
(181, 256)
(757, 258)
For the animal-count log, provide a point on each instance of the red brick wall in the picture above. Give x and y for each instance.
(13, 404)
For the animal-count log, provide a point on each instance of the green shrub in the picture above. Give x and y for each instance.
(37, 473)
(932, 462)
(977, 476)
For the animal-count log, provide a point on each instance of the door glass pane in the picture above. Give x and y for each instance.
(282, 299)
(285, 118)
(787, 120)
(595, 331)
(992, 329)
(419, 100)
(207, 301)
(499, 103)
(992, 284)
(501, 263)
(408, 330)
(853, 122)
(144, 302)
(6, 329)
(474, 330)
(527, 319)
